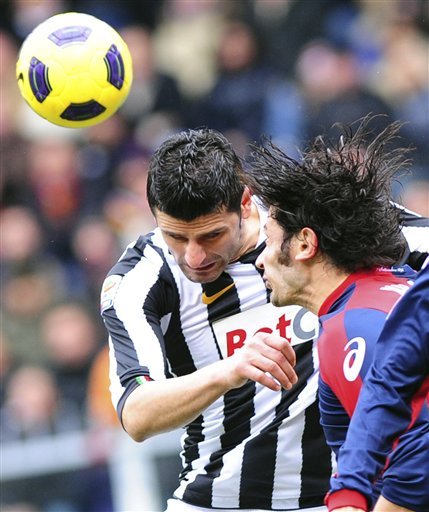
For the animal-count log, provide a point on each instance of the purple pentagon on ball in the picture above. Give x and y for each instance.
(70, 35)
(39, 80)
(115, 67)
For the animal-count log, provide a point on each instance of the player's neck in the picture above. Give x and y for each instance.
(326, 279)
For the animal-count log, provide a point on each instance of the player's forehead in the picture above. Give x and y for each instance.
(272, 228)
(199, 226)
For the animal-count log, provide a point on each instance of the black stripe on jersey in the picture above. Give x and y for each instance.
(414, 259)
(251, 257)
(123, 346)
(176, 348)
(125, 356)
(316, 464)
(190, 452)
(411, 219)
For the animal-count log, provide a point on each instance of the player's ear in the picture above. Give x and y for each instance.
(307, 244)
(246, 203)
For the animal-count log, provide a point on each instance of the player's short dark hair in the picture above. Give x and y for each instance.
(194, 173)
(341, 190)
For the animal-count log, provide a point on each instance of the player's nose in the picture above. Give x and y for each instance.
(260, 261)
(195, 255)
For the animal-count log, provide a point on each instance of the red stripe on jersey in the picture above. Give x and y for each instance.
(331, 347)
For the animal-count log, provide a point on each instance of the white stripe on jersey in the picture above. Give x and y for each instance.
(250, 286)
(417, 238)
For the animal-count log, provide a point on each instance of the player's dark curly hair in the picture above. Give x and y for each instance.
(193, 173)
(342, 191)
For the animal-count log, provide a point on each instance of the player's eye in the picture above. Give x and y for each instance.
(211, 236)
(177, 238)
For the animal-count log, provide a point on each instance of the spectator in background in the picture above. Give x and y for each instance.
(152, 92)
(125, 208)
(12, 163)
(236, 102)
(32, 279)
(23, 245)
(36, 410)
(71, 339)
(120, 14)
(95, 247)
(186, 41)
(333, 91)
(100, 152)
(34, 406)
(55, 189)
(101, 412)
(402, 80)
(280, 26)
(415, 196)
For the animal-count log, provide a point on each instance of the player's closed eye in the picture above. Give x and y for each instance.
(177, 238)
(212, 236)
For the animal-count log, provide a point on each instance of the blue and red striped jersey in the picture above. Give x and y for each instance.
(392, 413)
(351, 320)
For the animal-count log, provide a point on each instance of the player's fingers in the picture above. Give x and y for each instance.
(278, 343)
(257, 375)
(283, 372)
(277, 350)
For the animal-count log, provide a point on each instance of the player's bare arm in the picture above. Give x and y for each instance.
(161, 406)
(349, 509)
(382, 505)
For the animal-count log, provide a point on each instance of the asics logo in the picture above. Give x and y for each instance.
(354, 359)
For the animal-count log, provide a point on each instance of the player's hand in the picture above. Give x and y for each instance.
(265, 358)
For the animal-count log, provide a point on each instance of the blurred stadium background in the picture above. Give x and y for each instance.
(73, 199)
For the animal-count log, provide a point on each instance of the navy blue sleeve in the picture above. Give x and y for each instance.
(333, 417)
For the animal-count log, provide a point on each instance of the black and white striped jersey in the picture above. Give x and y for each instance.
(253, 447)
(415, 229)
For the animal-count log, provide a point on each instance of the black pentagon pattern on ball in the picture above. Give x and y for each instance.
(82, 111)
(70, 35)
(115, 67)
(39, 79)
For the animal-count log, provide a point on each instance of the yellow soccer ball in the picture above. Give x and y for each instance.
(74, 70)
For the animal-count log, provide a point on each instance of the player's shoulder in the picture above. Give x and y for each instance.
(143, 270)
(381, 288)
(148, 247)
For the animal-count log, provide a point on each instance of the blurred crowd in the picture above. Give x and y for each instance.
(71, 200)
